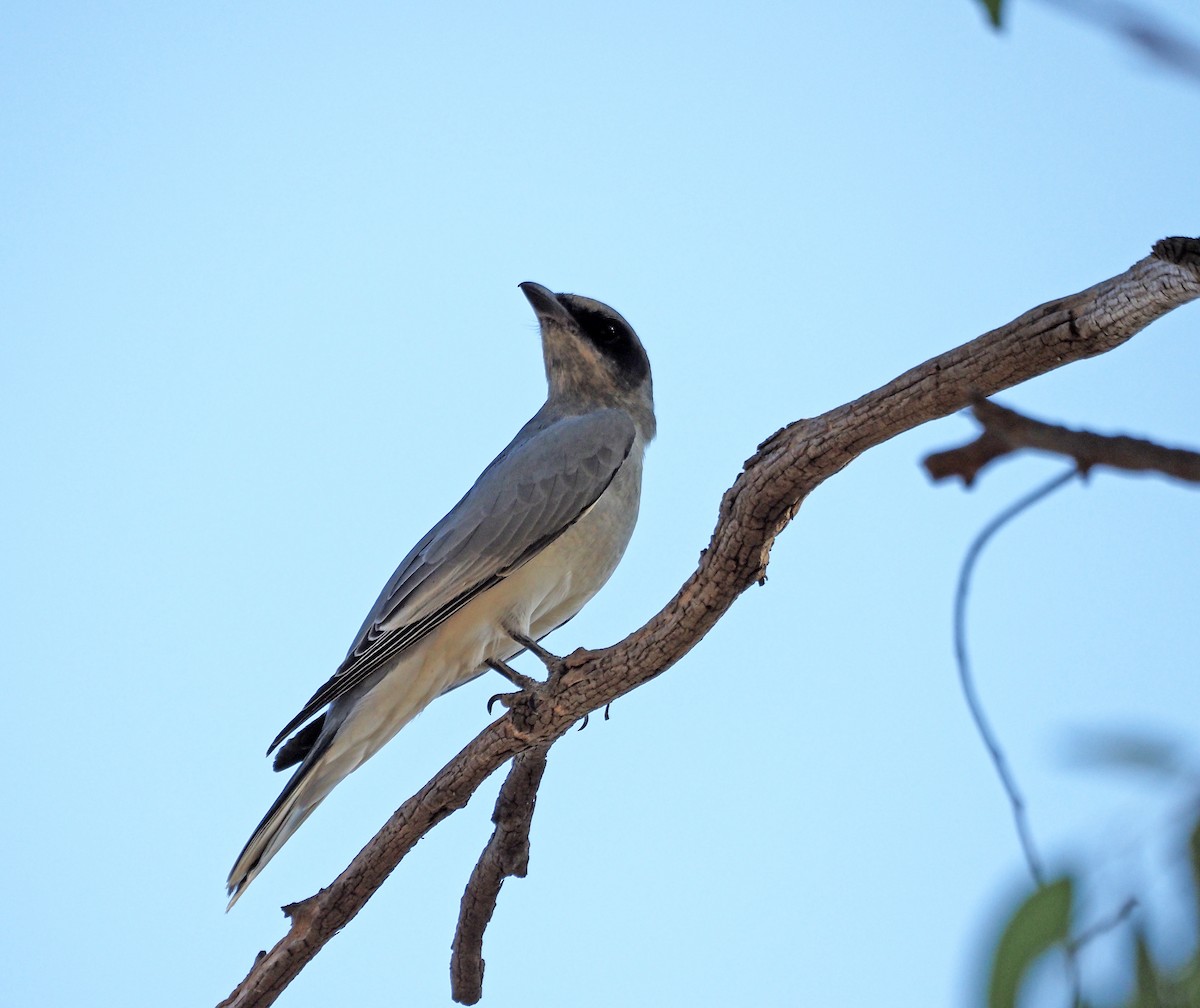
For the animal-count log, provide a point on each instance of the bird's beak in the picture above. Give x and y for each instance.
(545, 303)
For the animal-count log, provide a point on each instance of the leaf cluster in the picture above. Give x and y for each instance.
(1043, 924)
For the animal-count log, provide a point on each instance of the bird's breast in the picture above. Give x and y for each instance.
(553, 586)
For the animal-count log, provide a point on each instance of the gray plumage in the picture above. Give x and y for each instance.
(532, 541)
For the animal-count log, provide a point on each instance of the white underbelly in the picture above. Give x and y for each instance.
(537, 597)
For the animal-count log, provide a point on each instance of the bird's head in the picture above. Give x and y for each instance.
(593, 357)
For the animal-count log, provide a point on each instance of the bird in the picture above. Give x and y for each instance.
(537, 535)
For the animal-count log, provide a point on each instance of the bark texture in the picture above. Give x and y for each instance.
(507, 853)
(787, 467)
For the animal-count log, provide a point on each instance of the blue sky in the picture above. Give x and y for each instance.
(258, 274)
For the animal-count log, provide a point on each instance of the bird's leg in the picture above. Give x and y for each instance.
(511, 674)
(553, 663)
(522, 682)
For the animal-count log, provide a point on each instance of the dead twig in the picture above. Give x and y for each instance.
(1006, 431)
(507, 853)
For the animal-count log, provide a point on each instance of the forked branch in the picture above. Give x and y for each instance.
(787, 467)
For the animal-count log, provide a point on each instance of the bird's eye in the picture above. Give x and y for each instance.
(611, 336)
(605, 331)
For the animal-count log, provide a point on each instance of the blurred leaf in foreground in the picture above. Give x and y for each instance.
(1040, 923)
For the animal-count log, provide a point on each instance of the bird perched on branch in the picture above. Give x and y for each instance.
(532, 541)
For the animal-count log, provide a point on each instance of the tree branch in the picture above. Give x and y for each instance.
(787, 467)
(507, 853)
(1005, 431)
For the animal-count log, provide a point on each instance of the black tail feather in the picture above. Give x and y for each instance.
(299, 745)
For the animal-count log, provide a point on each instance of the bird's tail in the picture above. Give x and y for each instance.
(351, 731)
(321, 770)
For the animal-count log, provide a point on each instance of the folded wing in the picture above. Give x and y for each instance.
(532, 493)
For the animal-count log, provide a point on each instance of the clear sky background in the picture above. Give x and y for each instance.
(258, 268)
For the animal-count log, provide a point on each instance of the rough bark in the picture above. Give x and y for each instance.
(507, 853)
(787, 467)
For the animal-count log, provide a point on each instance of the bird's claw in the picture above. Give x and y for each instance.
(504, 699)
(526, 687)
(584, 723)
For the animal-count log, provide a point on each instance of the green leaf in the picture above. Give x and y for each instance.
(1188, 986)
(993, 10)
(1194, 856)
(1147, 975)
(1040, 923)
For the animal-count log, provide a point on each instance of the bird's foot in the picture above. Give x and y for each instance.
(528, 689)
(524, 684)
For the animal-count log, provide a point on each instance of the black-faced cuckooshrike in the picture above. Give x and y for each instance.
(533, 540)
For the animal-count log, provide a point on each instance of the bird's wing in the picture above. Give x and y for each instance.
(531, 494)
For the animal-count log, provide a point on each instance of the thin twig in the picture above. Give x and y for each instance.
(507, 853)
(967, 681)
(975, 705)
(992, 743)
(1073, 946)
(1103, 926)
